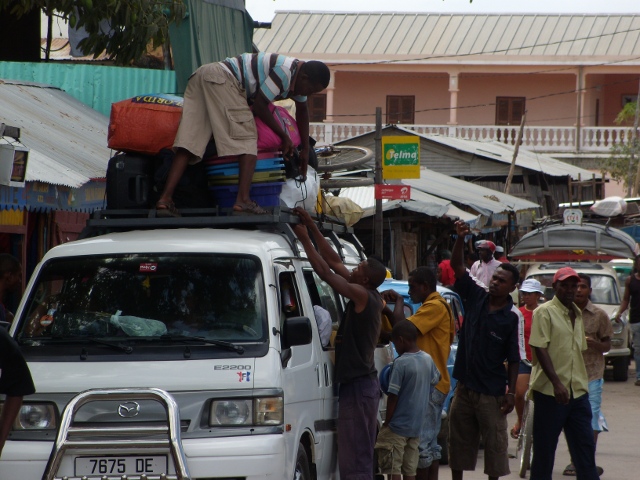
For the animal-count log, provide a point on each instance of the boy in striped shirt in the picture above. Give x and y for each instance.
(221, 99)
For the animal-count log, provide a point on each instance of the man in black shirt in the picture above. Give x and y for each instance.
(488, 338)
(15, 382)
(359, 389)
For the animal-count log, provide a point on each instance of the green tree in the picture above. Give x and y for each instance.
(622, 164)
(134, 24)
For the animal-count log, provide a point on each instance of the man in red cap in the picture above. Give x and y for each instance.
(559, 381)
(483, 269)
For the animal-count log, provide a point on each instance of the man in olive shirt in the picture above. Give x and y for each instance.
(559, 382)
(434, 321)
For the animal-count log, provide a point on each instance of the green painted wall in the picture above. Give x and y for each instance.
(97, 86)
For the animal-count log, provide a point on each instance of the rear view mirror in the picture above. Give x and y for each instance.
(296, 331)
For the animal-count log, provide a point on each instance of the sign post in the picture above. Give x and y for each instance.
(400, 157)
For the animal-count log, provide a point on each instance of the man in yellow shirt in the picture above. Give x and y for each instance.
(434, 321)
(559, 381)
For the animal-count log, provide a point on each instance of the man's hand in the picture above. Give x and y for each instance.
(508, 402)
(305, 217)
(287, 146)
(390, 296)
(561, 394)
(462, 228)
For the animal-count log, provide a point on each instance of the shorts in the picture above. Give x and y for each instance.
(524, 369)
(598, 422)
(216, 104)
(470, 415)
(396, 454)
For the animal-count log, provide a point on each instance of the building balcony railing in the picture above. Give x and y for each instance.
(540, 139)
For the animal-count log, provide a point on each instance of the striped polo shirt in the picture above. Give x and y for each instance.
(269, 72)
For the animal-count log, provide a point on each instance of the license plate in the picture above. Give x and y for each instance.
(149, 465)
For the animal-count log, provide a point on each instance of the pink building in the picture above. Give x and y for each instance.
(471, 76)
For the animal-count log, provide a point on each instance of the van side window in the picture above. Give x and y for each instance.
(323, 295)
(289, 297)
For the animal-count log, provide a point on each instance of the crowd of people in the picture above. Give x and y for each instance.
(551, 352)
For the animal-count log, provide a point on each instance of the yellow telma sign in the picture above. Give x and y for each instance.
(400, 157)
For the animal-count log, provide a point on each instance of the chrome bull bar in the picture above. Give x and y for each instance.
(119, 436)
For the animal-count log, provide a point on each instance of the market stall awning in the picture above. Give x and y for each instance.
(481, 199)
(420, 203)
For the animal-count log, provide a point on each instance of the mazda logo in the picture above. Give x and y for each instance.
(128, 409)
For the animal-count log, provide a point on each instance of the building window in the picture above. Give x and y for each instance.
(401, 109)
(509, 110)
(317, 105)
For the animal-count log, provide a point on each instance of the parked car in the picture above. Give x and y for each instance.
(623, 268)
(606, 295)
(454, 300)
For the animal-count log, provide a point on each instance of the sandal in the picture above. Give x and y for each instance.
(249, 208)
(515, 433)
(570, 470)
(166, 209)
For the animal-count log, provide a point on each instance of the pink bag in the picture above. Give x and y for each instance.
(267, 139)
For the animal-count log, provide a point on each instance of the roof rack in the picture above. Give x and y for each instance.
(279, 219)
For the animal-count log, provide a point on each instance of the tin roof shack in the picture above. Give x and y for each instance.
(65, 172)
(417, 229)
(537, 178)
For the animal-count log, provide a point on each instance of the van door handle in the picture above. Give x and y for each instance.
(326, 375)
(318, 373)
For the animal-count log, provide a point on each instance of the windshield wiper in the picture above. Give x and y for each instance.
(217, 343)
(117, 346)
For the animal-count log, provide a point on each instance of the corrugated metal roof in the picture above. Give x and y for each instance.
(420, 202)
(503, 152)
(424, 37)
(68, 140)
(481, 199)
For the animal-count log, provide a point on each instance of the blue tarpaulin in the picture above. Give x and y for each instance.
(43, 197)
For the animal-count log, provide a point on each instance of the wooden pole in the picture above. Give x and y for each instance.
(515, 154)
(378, 181)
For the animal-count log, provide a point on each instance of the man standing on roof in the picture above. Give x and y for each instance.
(483, 269)
(221, 100)
(559, 382)
(356, 375)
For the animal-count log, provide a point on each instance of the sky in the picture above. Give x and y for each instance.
(263, 10)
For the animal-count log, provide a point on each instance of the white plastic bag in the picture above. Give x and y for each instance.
(610, 207)
(301, 194)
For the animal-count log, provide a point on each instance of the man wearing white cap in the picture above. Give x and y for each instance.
(483, 269)
(559, 381)
(530, 290)
(499, 255)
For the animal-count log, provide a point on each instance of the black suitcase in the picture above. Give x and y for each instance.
(130, 181)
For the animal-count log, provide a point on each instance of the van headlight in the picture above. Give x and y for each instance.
(618, 327)
(247, 411)
(35, 416)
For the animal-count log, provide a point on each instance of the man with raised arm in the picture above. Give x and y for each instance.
(355, 372)
(486, 390)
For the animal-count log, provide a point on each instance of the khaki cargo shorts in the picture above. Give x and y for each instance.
(396, 454)
(216, 104)
(473, 413)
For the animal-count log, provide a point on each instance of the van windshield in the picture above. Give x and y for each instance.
(216, 297)
(604, 290)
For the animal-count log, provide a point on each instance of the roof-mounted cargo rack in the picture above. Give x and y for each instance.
(277, 219)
